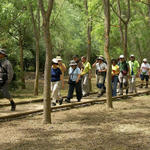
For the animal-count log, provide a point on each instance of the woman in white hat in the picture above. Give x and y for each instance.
(74, 82)
(56, 77)
(144, 72)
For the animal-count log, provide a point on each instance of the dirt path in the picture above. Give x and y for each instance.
(127, 127)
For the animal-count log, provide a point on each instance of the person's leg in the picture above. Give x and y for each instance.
(78, 91)
(130, 85)
(101, 85)
(134, 84)
(114, 86)
(55, 89)
(70, 92)
(85, 85)
(120, 77)
(125, 82)
(7, 95)
(147, 79)
(142, 80)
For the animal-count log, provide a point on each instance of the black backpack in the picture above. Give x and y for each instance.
(4, 76)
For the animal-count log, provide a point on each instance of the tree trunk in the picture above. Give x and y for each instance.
(47, 38)
(21, 62)
(89, 30)
(37, 36)
(107, 55)
(126, 41)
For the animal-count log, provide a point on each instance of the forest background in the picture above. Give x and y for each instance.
(70, 24)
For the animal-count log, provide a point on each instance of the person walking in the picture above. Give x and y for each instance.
(134, 72)
(63, 69)
(6, 75)
(56, 78)
(144, 72)
(86, 75)
(101, 69)
(115, 73)
(124, 74)
(74, 82)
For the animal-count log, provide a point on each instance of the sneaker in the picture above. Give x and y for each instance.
(67, 100)
(60, 101)
(53, 104)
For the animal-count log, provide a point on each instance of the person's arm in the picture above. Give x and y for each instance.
(95, 64)
(63, 66)
(78, 78)
(10, 72)
(62, 80)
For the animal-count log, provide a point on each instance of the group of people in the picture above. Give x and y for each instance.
(124, 74)
(79, 74)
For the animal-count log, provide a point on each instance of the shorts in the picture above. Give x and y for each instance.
(146, 77)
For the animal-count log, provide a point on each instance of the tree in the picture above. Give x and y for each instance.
(124, 35)
(36, 29)
(46, 14)
(107, 55)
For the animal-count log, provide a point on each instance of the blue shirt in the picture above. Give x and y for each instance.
(74, 74)
(55, 74)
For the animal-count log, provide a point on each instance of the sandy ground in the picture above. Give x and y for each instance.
(127, 127)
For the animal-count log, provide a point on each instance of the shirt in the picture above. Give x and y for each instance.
(60, 67)
(55, 74)
(101, 66)
(123, 66)
(115, 70)
(133, 67)
(145, 68)
(87, 67)
(74, 74)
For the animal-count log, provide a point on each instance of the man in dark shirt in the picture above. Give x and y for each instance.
(6, 75)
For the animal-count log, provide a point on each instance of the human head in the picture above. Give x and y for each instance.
(114, 62)
(100, 59)
(59, 59)
(83, 59)
(2, 53)
(145, 60)
(122, 59)
(54, 62)
(73, 64)
(132, 57)
(75, 58)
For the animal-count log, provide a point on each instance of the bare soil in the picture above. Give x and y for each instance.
(127, 127)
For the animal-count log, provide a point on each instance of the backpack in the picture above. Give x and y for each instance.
(4, 75)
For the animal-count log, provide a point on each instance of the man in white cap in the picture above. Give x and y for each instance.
(6, 75)
(134, 72)
(124, 74)
(144, 72)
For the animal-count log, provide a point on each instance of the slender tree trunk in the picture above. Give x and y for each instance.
(139, 49)
(126, 41)
(37, 36)
(89, 31)
(21, 62)
(106, 51)
(46, 14)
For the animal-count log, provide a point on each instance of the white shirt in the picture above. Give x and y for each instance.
(101, 66)
(145, 68)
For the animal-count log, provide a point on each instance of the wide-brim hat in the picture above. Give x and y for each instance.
(121, 56)
(132, 55)
(100, 58)
(55, 61)
(58, 58)
(72, 63)
(144, 60)
(2, 51)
